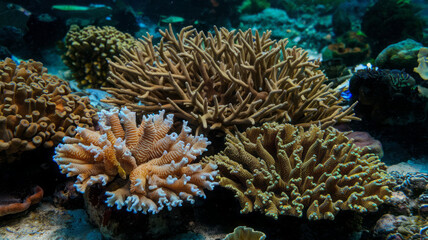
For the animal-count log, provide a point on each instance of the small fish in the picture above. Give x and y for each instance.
(15, 59)
(171, 19)
(346, 95)
(19, 8)
(70, 8)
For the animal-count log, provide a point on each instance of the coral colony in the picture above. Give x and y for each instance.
(194, 126)
(158, 167)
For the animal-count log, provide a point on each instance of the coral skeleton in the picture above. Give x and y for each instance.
(158, 167)
(281, 169)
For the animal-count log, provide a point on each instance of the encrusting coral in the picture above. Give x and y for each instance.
(230, 78)
(89, 48)
(281, 169)
(156, 167)
(37, 108)
(12, 205)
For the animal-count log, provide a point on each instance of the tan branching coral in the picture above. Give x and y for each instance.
(89, 48)
(157, 167)
(230, 78)
(280, 169)
(37, 108)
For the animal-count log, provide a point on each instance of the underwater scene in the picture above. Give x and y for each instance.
(214, 119)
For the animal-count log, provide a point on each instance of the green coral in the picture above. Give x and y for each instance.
(253, 6)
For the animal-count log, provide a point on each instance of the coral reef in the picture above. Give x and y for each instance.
(37, 108)
(401, 55)
(351, 47)
(388, 97)
(410, 202)
(280, 169)
(89, 48)
(230, 78)
(154, 169)
(245, 233)
(388, 22)
(308, 31)
(401, 227)
(12, 205)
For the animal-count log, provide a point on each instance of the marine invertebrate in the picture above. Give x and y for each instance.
(89, 48)
(387, 96)
(230, 78)
(280, 169)
(422, 68)
(401, 227)
(245, 233)
(157, 168)
(352, 48)
(37, 108)
(12, 205)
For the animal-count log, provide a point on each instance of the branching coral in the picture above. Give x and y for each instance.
(37, 108)
(88, 49)
(230, 78)
(157, 167)
(281, 169)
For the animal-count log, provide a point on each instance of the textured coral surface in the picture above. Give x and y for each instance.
(37, 108)
(154, 169)
(280, 169)
(245, 233)
(89, 48)
(226, 79)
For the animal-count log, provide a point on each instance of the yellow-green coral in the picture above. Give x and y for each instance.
(88, 50)
(245, 233)
(422, 68)
(281, 169)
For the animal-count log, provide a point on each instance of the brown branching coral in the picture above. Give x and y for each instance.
(230, 78)
(89, 48)
(37, 108)
(280, 169)
(156, 167)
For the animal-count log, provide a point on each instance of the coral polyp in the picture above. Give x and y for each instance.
(158, 168)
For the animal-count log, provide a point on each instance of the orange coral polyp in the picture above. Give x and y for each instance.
(158, 168)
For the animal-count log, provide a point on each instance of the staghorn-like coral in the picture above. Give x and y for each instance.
(37, 108)
(230, 78)
(157, 168)
(280, 169)
(89, 48)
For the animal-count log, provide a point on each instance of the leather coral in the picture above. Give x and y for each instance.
(281, 169)
(226, 79)
(37, 108)
(156, 169)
